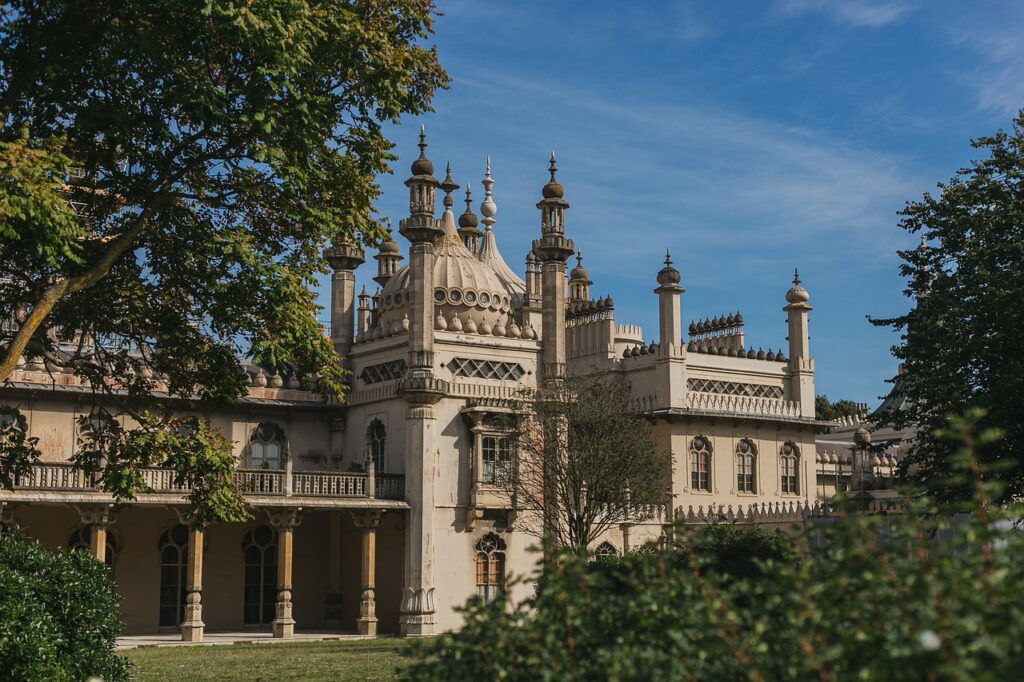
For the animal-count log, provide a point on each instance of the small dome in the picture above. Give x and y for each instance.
(692, 329)
(730, 320)
(862, 437)
(739, 319)
(422, 165)
(608, 302)
(468, 219)
(554, 189)
(797, 294)
(668, 275)
(579, 272)
(389, 246)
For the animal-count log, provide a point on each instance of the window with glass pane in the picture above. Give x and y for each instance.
(260, 589)
(789, 465)
(173, 566)
(376, 440)
(700, 464)
(497, 458)
(266, 447)
(745, 466)
(490, 567)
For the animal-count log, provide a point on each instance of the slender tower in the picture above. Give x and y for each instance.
(553, 250)
(801, 364)
(671, 360)
(468, 230)
(388, 259)
(344, 258)
(420, 389)
(579, 282)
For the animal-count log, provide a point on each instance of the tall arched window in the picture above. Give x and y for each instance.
(173, 568)
(376, 440)
(490, 566)
(80, 540)
(700, 464)
(266, 446)
(789, 465)
(745, 460)
(260, 548)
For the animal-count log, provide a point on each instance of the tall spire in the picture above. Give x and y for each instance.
(448, 186)
(468, 230)
(488, 208)
(796, 277)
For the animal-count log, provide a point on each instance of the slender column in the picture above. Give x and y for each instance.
(99, 519)
(367, 623)
(285, 520)
(344, 259)
(801, 364)
(192, 628)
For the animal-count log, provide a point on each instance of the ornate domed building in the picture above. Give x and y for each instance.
(383, 514)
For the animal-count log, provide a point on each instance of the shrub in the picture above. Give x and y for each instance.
(882, 597)
(58, 614)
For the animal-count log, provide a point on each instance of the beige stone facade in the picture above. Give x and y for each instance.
(376, 516)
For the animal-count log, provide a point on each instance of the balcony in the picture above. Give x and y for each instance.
(259, 486)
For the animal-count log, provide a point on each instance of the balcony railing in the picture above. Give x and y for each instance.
(255, 482)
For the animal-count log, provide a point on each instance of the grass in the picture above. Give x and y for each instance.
(367, 659)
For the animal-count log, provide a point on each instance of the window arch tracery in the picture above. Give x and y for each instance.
(80, 539)
(173, 548)
(700, 464)
(376, 444)
(259, 547)
(490, 567)
(789, 468)
(605, 550)
(266, 446)
(746, 460)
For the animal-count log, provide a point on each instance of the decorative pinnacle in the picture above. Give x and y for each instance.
(796, 277)
(552, 167)
(488, 208)
(469, 198)
(448, 186)
(423, 140)
(668, 257)
(579, 257)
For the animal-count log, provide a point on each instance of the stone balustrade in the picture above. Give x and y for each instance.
(764, 512)
(735, 404)
(62, 476)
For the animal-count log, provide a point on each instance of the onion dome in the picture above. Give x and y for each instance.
(730, 321)
(862, 437)
(692, 329)
(797, 294)
(609, 303)
(422, 165)
(751, 354)
(692, 346)
(468, 219)
(553, 190)
(579, 272)
(761, 355)
(389, 246)
(739, 318)
(770, 355)
(668, 276)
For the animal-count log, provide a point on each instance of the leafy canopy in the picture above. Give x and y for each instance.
(170, 174)
(959, 342)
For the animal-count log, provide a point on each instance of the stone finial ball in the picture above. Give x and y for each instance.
(862, 437)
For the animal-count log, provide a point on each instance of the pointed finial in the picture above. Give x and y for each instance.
(448, 186)
(668, 257)
(423, 139)
(488, 208)
(796, 277)
(579, 257)
(552, 167)
(469, 198)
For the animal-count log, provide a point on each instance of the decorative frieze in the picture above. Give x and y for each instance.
(734, 388)
(385, 371)
(486, 369)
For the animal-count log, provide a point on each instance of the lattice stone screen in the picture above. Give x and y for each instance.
(734, 388)
(385, 371)
(485, 369)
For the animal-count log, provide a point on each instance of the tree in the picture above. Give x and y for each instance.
(170, 174)
(826, 410)
(59, 618)
(959, 341)
(583, 462)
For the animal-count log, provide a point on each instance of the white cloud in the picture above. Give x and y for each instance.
(855, 13)
(999, 81)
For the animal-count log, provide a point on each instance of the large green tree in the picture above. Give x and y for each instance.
(170, 174)
(960, 341)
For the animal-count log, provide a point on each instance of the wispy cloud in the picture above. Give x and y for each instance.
(999, 81)
(854, 13)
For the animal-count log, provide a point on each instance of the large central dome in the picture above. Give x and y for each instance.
(464, 288)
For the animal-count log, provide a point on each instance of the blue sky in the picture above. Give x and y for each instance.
(749, 137)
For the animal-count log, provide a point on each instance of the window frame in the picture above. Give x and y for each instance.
(789, 469)
(376, 444)
(260, 441)
(495, 470)
(490, 562)
(746, 467)
(700, 478)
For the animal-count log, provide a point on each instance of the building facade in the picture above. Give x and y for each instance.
(381, 514)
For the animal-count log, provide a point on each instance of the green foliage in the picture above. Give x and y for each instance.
(960, 340)
(923, 595)
(58, 614)
(170, 175)
(826, 410)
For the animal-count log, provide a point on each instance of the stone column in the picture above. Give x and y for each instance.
(367, 622)
(344, 259)
(192, 628)
(285, 521)
(801, 364)
(99, 519)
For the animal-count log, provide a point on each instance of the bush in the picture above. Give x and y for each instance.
(882, 597)
(58, 614)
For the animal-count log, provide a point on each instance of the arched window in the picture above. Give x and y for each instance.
(266, 446)
(376, 440)
(605, 550)
(260, 548)
(497, 459)
(789, 465)
(700, 464)
(746, 454)
(80, 540)
(173, 567)
(490, 566)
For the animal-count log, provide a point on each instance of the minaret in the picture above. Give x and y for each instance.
(801, 364)
(468, 229)
(388, 259)
(553, 250)
(579, 282)
(344, 258)
(363, 315)
(420, 389)
(671, 354)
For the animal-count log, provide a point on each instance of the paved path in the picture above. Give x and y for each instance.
(211, 638)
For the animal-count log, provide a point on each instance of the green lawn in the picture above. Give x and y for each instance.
(367, 659)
